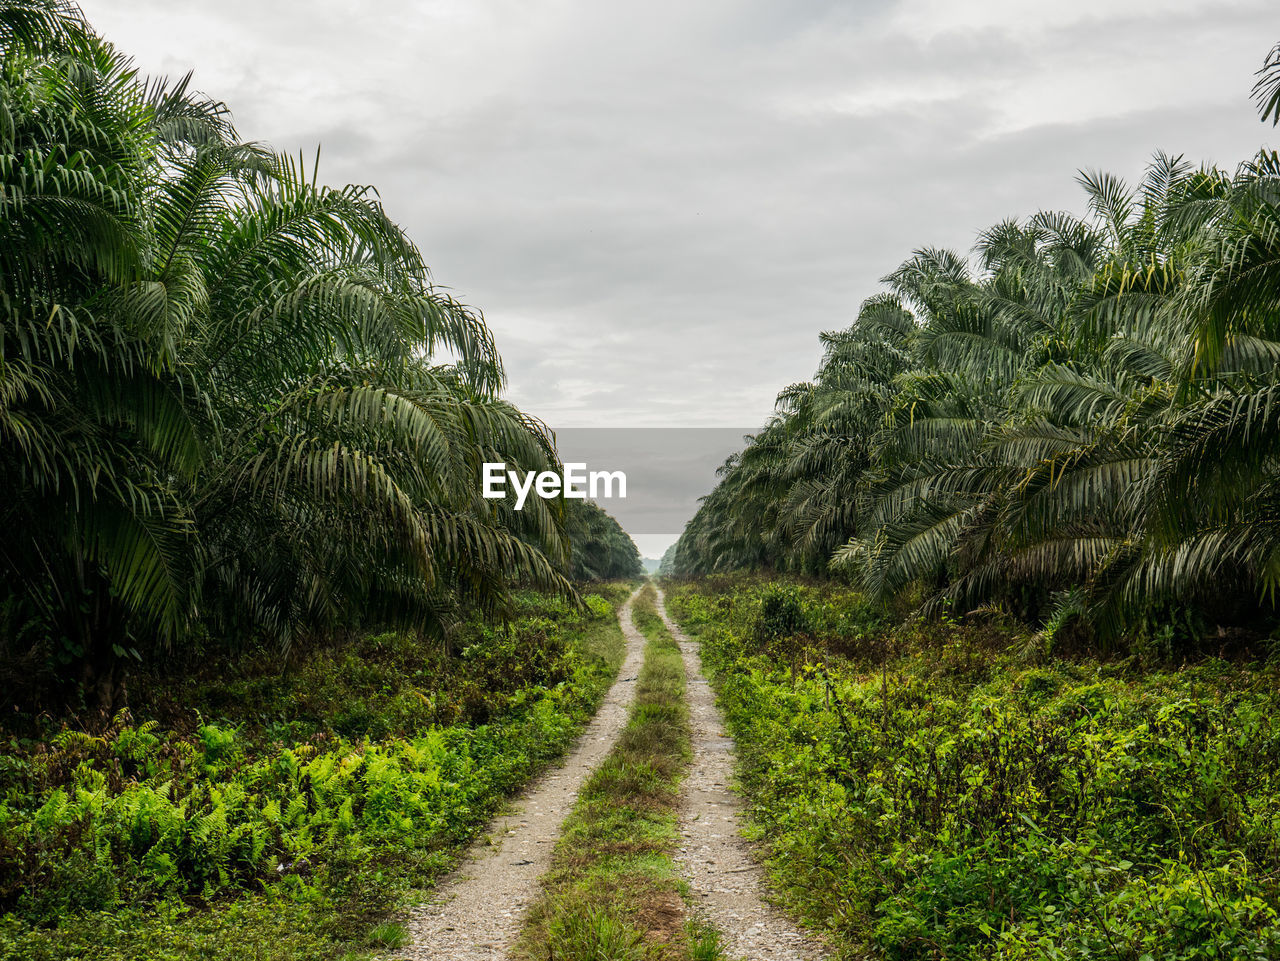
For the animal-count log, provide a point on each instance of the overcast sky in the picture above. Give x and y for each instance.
(659, 205)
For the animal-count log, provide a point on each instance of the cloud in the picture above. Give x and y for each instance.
(658, 206)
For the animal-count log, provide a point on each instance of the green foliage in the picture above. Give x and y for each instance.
(704, 943)
(780, 614)
(323, 792)
(1266, 92)
(591, 932)
(930, 795)
(389, 936)
(601, 550)
(219, 413)
(253, 928)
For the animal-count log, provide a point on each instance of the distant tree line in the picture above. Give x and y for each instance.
(601, 550)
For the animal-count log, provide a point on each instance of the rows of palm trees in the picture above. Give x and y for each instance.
(1084, 424)
(601, 549)
(224, 406)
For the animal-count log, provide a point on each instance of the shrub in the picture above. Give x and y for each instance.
(330, 786)
(781, 614)
(940, 799)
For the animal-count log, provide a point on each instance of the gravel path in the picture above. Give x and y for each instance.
(476, 915)
(714, 857)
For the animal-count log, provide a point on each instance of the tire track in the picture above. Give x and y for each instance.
(726, 881)
(476, 915)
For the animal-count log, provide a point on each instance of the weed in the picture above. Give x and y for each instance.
(389, 935)
(320, 795)
(928, 795)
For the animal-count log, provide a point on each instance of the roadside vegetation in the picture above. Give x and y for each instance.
(614, 890)
(932, 789)
(268, 658)
(255, 814)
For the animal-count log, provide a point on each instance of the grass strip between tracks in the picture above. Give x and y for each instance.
(613, 891)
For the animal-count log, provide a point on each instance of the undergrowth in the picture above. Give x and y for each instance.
(943, 790)
(283, 815)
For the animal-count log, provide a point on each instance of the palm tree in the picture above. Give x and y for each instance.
(602, 550)
(218, 404)
(1087, 424)
(1267, 90)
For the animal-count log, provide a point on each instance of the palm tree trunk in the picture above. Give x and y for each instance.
(99, 632)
